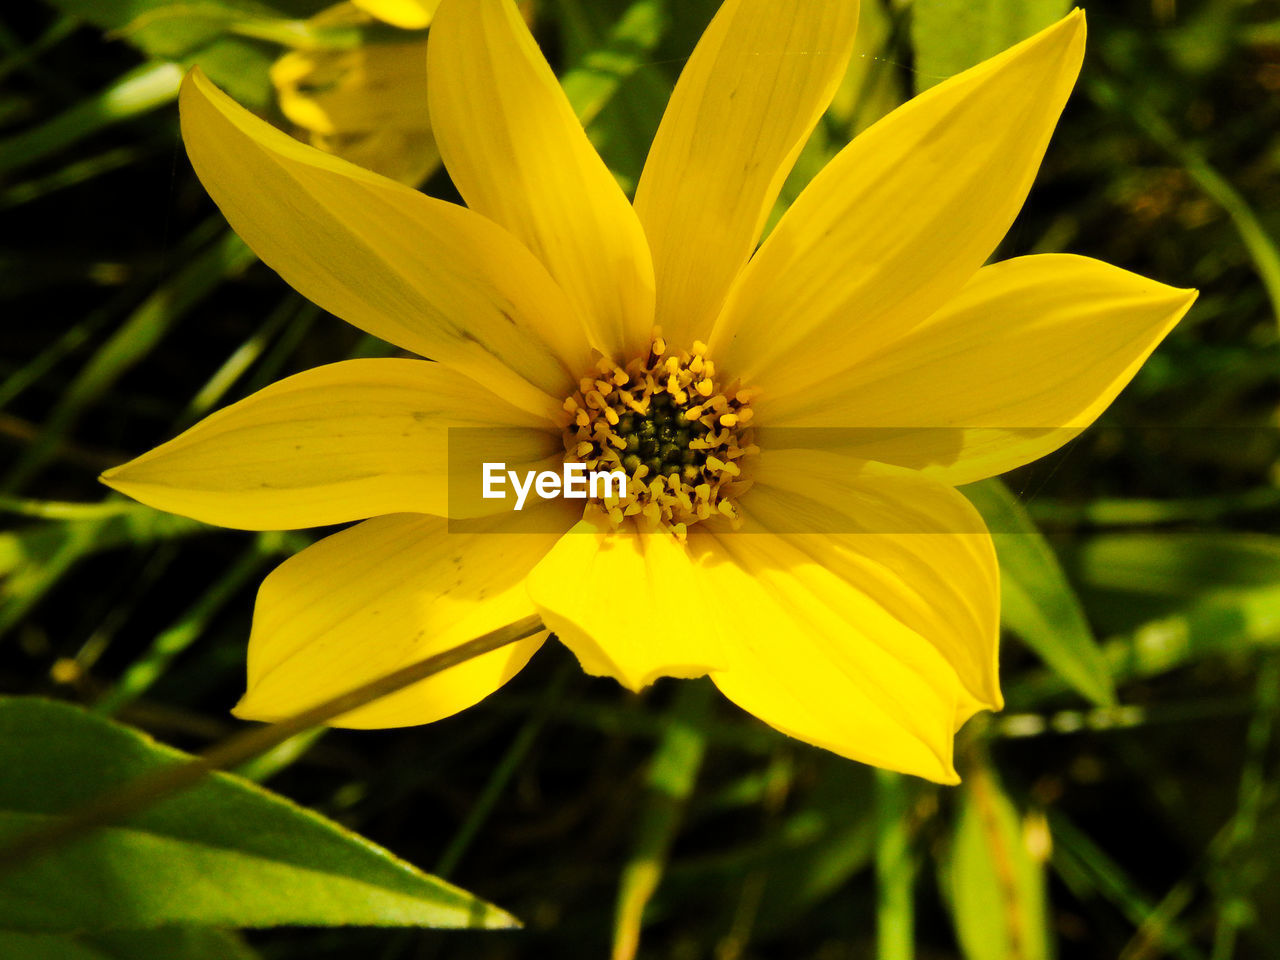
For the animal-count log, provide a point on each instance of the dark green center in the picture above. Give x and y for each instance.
(660, 440)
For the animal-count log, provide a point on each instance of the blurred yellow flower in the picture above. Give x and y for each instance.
(406, 14)
(831, 581)
(364, 104)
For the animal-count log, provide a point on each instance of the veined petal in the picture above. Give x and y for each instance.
(615, 600)
(1029, 353)
(341, 442)
(406, 14)
(518, 155)
(865, 609)
(429, 276)
(899, 220)
(746, 101)
(379, 596)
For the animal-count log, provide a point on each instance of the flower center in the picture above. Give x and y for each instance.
(665, 422)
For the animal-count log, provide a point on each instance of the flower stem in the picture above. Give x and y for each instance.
(151, 787)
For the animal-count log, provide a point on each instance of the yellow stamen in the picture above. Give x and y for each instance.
(679, 455)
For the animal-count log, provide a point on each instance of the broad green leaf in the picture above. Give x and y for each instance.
(170, 943)
(1037, 602)
(994, 881)
(225, 853)
(953, 35)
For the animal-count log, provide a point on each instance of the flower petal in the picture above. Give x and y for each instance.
(379, 596)
(745, 103)
(429, 276)
(518, 155)
(1029, 353)
(363, 105)
(341, 442)
(624, 602)
(899, 220)
(405, 14)
(358, 90)
(865, 609)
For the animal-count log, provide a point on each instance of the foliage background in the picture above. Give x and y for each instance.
(1125, 803)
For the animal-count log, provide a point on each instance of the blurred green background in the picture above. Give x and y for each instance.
(1123, 805)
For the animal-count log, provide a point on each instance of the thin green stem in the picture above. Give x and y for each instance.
(112, 506)
(498, 780)
(1235, 909)
(895, 872)
(174, 640)
(1259, 243)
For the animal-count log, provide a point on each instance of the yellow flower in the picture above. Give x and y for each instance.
(855, 605)
(364, 104)
(406, 14)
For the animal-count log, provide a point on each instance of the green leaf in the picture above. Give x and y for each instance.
(1252, 230)
(895, 868)
(141, 89)
(34, 559)
(613, 81)
(226, 257)
(626, 48)
(168, 29)
(828, 836)
(671, 777)
(1174, 599)
(171, 642)
(1216, 625)
(1131, 579)
(953, 35)
(225, 853)
(1037, 602)
(25, 552)
(995, 886)
(1088, 870)
(1201, 594)
(170, 943)
(1180, 564)
(198, 31)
